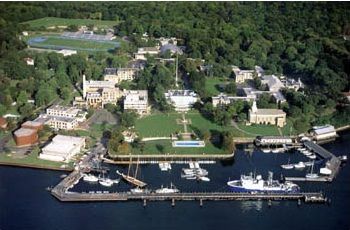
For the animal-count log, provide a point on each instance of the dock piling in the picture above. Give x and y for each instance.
(144, 203)
(201, 202)
(173, 202)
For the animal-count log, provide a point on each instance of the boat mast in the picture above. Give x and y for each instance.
(137, 167)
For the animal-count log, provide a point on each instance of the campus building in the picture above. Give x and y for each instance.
(323, 132)
(223, 99)
(98, 93)
(242, 75)
(25, 137)
(143, 51)
(182, 100)
(136, 100)
(121, 74)
(62, 148)
(266, 116)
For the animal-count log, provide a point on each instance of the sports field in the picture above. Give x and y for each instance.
(63, 22)
(58, 42)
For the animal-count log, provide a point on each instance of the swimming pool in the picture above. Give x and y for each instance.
(188, 144)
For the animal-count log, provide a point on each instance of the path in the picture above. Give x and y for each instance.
(234, 124)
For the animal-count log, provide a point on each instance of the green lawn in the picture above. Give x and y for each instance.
(212, 85)
(165, 147)
(56, 42)
(158, 125)
(52, 21)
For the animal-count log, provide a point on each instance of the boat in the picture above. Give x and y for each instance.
(90, 178)
(167, 190)
(204, 178)
(105, 182)
(278, 150)
(325, 171)
(287, 166)
(116, 181)
(163, 167)
(300, 165)
(312, 175)
(312, 156)
(308, 163)
(132, 179)
(266, 150)
(307, 153)
(138, 190)
(252, 184)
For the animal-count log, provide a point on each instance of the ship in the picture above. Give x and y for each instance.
(253, 184)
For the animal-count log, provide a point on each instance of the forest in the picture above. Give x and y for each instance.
(309, 40)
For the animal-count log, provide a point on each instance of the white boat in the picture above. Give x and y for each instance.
(287, 166)
(307, 153)
(325, 171)
(266, 150)
(312, 156)
(138, 190)
(278, 150)
(308, 163)
(90, 178)
(166, 190)
(312, 175)
(163, 166)
(105, 182)
(300, 165)
(204, 178)
(116, 181)
(196, 165)
(191, 165)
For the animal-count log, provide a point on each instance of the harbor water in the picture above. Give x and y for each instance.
(26, 204)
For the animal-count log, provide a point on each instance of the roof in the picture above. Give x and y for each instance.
(318, 149)
(323, 129)
(110, 71)
(270, 112)
(32, 124)
(273, 82)
(172, 48)
(65, 109)
(24, 132)
(68, 139)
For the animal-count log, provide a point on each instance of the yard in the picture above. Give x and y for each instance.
(53, 22)
(165, 147)
(212, 85)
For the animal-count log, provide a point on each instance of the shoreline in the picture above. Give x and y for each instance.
(23, 165)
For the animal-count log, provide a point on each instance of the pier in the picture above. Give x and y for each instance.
(61, 192)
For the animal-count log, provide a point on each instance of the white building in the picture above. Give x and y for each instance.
(273, 82)
(323, 132)
(164, 41)
(67, 52)
(182, 100)
(66, 123)
(290, 83)
(62, 148)
(223, 99)
(242, 75)
(136, 100)
(62, 111)
(121, 74)
(143, 51)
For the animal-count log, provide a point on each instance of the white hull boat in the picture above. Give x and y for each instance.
(90, 178)
(300, 165)
(106, 182)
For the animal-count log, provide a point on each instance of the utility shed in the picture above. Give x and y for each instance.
(323, 132)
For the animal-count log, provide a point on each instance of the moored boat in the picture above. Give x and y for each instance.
(90, 178)
(250, 183)
(166, 190)
(105, 182)
(299, 165)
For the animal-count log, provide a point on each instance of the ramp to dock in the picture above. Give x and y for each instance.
(325, 154)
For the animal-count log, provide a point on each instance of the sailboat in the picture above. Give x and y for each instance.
(288, 166)
(312, 175)
(132, 179)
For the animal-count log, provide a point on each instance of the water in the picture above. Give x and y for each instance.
(25, 203)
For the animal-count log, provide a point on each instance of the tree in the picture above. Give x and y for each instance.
(231, 88)
(26, 109)
(65, 93)
(21, 98)
(128, 119)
